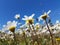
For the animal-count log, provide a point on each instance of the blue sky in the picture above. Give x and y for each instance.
(9, 8)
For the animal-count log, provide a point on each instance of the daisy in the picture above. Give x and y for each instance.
(17, 16)
(11, 25)
(44, 16)
(28, 19)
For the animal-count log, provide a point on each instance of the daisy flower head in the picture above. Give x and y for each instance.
(17, 16)
(11, 25)
(29, 19)
(44, 16)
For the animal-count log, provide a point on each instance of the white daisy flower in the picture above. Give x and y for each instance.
(28, 19)
(44, 16)
(11, 26)
(17, 16)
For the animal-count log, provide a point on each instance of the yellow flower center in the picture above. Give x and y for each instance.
(12, 29)
(44, 17)
(30, 21)
(37, 27)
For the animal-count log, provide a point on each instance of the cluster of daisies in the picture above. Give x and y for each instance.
(30, 28)
(11, 25)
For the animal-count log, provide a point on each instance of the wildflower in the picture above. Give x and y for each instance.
(29, 20)
(11, 26)
(17, 16)
(44, 16)
(12, 29)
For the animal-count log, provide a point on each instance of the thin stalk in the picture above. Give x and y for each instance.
(25, 40)
(50, 32)
(14, 35)
(14, 38)
(36, 35)
(31, 35)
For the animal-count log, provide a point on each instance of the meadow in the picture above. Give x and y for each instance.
(31, 33)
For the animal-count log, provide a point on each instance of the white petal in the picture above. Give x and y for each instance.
(25, 16)
(9, 22)
(48, 11)
(39, 18)
(30, 17)
(23, 19)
